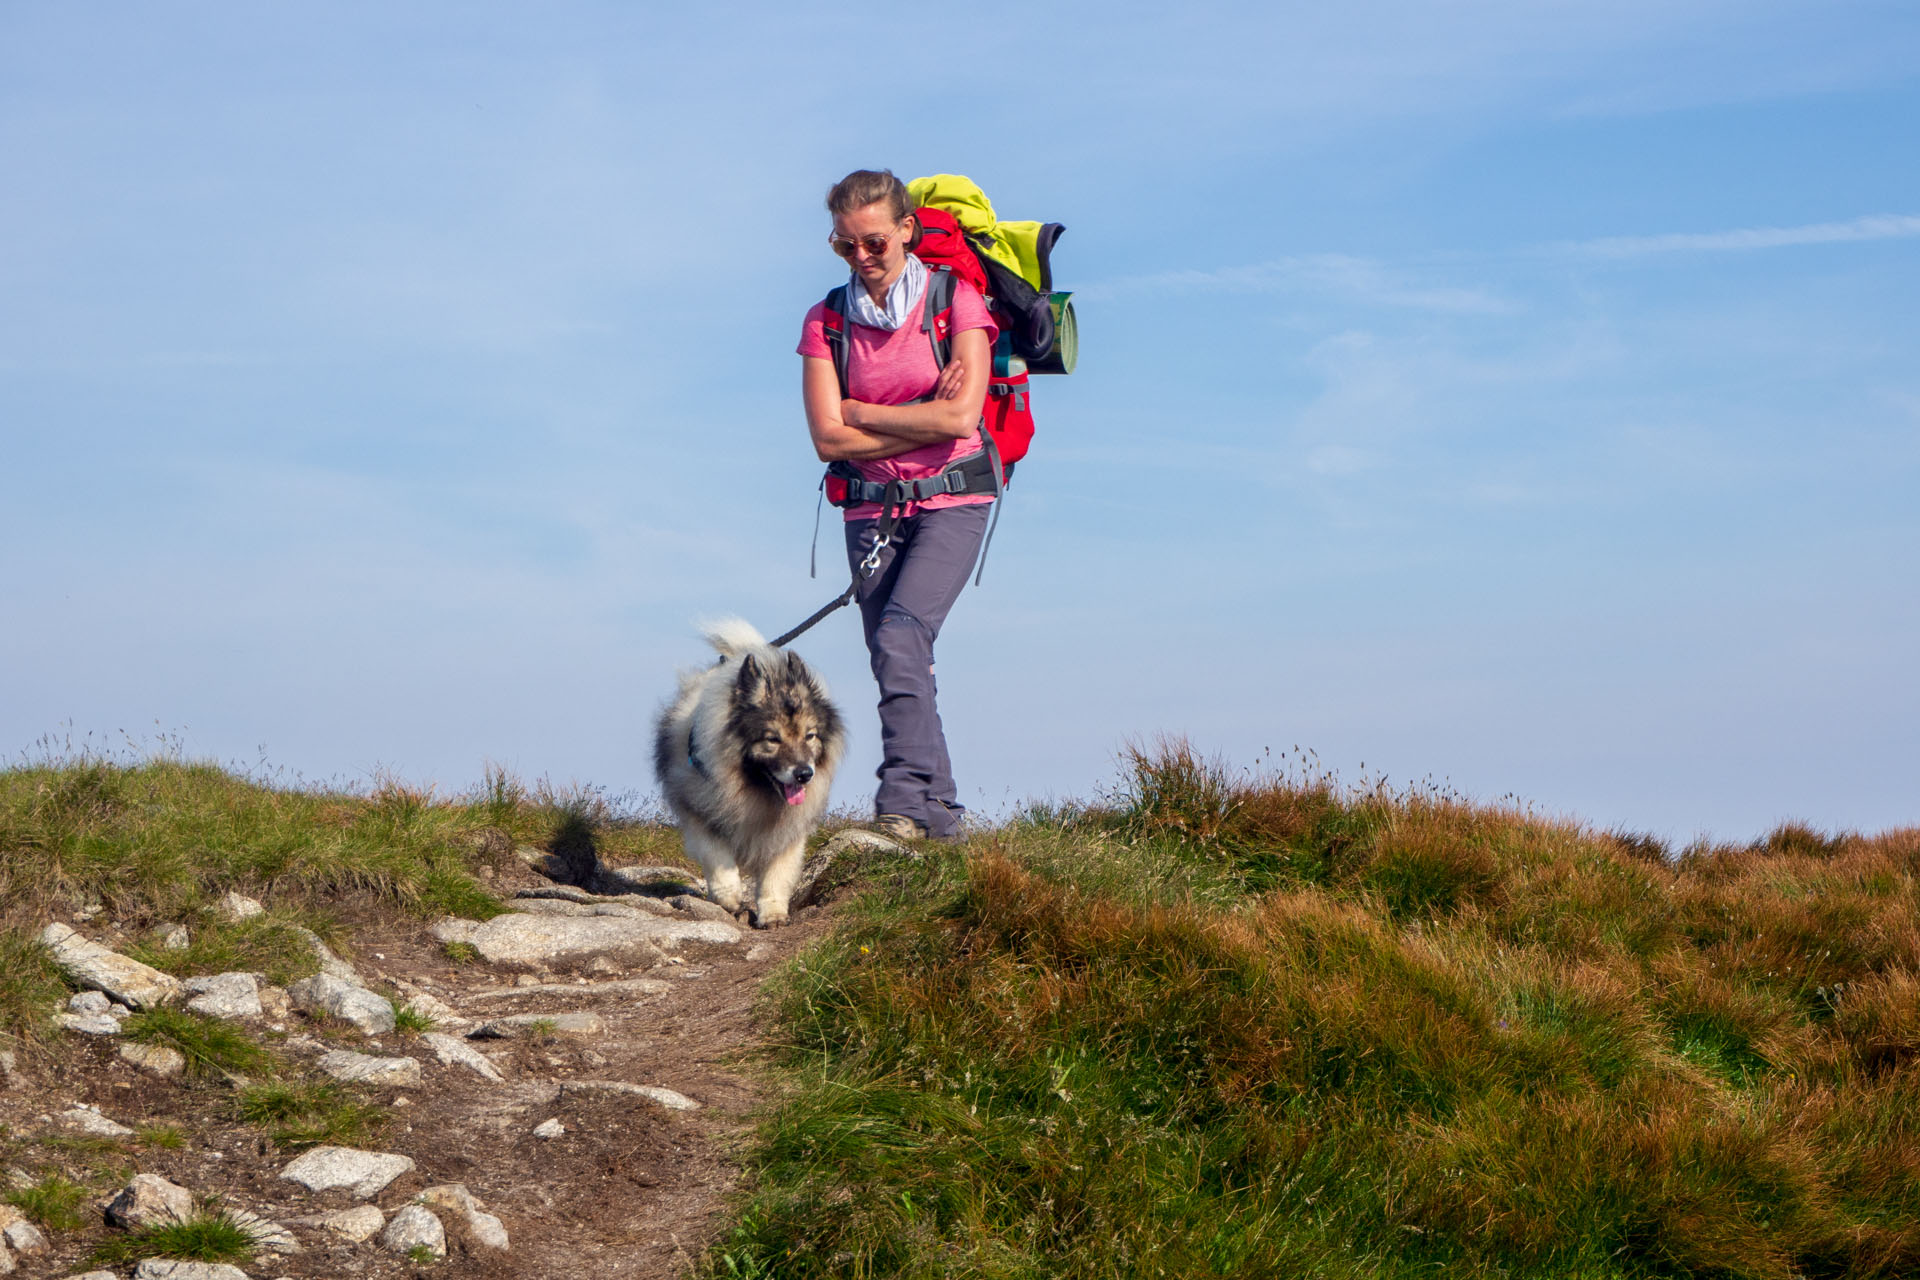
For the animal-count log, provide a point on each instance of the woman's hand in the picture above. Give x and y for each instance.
(951, 379)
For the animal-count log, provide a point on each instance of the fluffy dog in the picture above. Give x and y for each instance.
(745, 755)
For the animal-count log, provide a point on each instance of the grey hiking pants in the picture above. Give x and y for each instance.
(902, 607)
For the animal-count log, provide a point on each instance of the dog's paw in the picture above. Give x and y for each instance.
(770, 922)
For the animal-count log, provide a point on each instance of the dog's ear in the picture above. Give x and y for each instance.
(752, 681)
(796, 669)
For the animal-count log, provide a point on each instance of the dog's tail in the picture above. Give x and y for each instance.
(732, 637)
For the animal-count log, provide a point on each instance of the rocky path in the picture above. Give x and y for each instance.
(575, 1109)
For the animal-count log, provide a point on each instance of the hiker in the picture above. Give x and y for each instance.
(900, 417)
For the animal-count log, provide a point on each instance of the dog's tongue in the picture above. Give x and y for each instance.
(795, 792)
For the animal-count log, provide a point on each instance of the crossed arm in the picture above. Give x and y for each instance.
(854, 430)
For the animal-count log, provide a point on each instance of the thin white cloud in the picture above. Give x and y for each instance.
(1880, 226)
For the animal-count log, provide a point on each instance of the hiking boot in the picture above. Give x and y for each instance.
(899, 826)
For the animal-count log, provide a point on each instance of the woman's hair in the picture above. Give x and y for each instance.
(863, 187)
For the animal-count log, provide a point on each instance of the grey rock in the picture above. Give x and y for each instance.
(700, 908)
(813, 882)
(89, 1002)
(89, 1121)
(265, 1233)
(20, 1235)
(434, 1010)
(91, 965)
(149, 1200)
(171, 937)
(560, 1024)
(579, 910)
(167, 1269)
(235, 907)
(330, 964)
(90, 1024)
(614, 880)
(323, 993)
(361, 1068)
(549, 1129)
(538, 942)
(414, 1227)
(9, 1067)
(94, 1275)
(665, 1097)
(462, 1205)
(225, 995)
(362, 1222)
(622, 986)
(454, 1052)
(365, 1173)
(155, 1059)
(119, 1012)
(7, 1266)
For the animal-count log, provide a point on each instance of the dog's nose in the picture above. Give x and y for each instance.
(803, 773)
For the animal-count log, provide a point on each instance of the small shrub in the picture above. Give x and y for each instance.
(411, 1022)
(213, 1238)
(163, 1137)
(53, 1202)
(30, 985)
(460, 952)
(311, 1113)
(211, 1046)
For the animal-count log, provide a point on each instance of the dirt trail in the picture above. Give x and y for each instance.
(632, 1188)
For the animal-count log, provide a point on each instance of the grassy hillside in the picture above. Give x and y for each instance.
(1272, 1027)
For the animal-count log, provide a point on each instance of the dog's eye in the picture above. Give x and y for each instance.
(771, 740)
(813, 735)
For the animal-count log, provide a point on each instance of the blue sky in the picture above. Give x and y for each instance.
(1521, 395)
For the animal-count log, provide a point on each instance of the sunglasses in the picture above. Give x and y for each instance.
(876, 246)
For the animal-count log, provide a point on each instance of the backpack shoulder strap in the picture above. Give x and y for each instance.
(834, 329)
(936, 319)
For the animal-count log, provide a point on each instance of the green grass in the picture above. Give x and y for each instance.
(211, 1046)
(411, 1022)
(213, 1238)
(53, 1201)
(310, 1113)
(30, 987)
(1236, 1025)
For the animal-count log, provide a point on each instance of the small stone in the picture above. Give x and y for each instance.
(330, 964)
(454, 1198)
(665, 1097)
(275, 1004)
(372, 1014)
(9, 1067)
(549, 1129)
(700, 908)
(452, 1052)
(91, 965)
(171, 937)
(560, 1024)
(638, 986)
(231, 996)
(89, 1121)
(149, 1200)
(361, 1068)
(362, 1222)
(88, 1002)
(89, 1024)
(155, 1059)
(19, 1234)
(415, 1227)
(94, 1275)
(119, 1012)
(235, 907)
(264, 1232)
(434, 1010)
(166, 1269)
(365, 1173)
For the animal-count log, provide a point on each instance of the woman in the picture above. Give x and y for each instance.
(903, 418)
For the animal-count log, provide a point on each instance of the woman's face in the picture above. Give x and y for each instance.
(865, 227)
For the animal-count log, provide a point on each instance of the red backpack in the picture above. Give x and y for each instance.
(939, 242)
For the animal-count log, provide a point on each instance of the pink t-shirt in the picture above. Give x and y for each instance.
(895, 368)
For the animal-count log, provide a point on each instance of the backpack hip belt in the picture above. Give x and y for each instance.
(977, 472)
